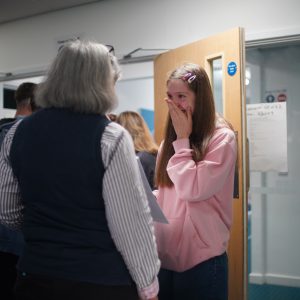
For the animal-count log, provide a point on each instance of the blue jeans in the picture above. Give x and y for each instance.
(206, 281)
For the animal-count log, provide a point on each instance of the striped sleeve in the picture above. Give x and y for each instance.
(11, 206)
(127, 209)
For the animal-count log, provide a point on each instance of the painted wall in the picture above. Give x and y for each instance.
(30, 44)
(135, 89)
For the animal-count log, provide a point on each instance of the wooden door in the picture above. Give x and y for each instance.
(228, 49)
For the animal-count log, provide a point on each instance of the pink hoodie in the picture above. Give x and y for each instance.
(199, 205)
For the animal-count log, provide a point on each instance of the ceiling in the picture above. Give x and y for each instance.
(12, 10)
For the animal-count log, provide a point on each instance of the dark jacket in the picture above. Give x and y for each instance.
(148, 162)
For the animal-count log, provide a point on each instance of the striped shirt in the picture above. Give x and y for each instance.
(127, 210)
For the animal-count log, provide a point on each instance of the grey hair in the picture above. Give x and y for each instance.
(116, 67)
(81, 78)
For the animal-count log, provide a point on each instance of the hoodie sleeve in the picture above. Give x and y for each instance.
(196, 181)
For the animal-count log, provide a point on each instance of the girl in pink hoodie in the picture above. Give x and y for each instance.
(194, 175)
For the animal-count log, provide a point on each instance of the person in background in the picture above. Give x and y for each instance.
(11, 241)
(70, 181)
(144, 144)
(25, 106)
(194, 175)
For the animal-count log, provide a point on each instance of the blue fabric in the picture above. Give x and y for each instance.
(56, 156)
(11, 241)
(206, 281)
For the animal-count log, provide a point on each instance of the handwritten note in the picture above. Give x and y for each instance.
(267, 133)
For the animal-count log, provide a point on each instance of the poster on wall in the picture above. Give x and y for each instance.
(276, 95)
(267, 134)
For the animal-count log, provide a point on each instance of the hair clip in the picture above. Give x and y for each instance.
(189, 77)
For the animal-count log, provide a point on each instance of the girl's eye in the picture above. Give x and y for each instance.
(181, 96)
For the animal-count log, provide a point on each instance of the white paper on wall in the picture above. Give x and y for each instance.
(267, 133)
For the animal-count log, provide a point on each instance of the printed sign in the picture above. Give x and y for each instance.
(276, 95)
(270, 98)
(231, 68)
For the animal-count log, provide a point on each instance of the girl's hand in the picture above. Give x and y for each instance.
(181, 120)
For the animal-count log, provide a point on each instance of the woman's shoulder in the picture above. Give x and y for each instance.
(146, 156)
(113, 135)
(116, 140)
(113, 130)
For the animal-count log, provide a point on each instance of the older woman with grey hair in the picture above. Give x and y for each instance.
(69, 179)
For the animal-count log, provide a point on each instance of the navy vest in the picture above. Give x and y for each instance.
(56, 157)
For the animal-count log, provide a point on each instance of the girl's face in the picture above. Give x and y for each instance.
(179, 92)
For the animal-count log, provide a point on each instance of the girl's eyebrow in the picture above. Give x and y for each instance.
(178, 92)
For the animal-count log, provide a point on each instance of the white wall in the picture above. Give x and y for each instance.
(135, 89)
(30, 44)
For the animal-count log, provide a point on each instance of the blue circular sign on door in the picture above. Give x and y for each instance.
(231, 68)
